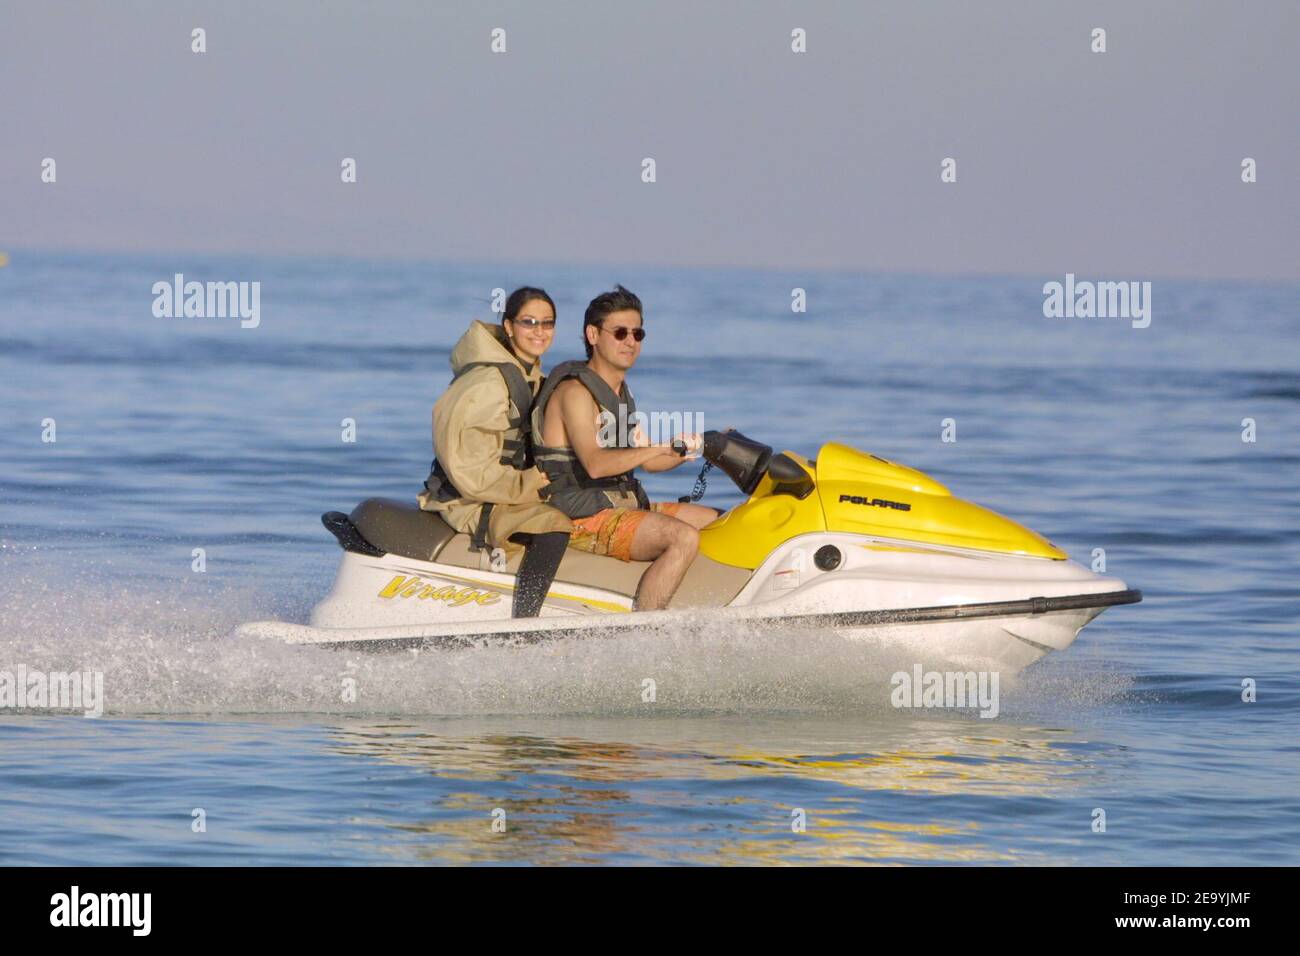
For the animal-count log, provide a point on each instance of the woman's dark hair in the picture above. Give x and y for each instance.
(521, 297)
(605, 303)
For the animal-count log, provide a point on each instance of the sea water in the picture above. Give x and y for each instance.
(163, 479)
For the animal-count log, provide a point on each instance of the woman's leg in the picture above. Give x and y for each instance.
(542, 556)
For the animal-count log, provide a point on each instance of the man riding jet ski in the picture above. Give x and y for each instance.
(592, 482)
(483, 480)
(845, 542)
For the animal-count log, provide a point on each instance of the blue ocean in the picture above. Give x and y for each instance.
(132, 444)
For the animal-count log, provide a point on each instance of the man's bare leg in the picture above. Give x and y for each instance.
(672, 545)
(697, 516)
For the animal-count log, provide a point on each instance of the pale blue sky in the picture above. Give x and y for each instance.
(1124, 164)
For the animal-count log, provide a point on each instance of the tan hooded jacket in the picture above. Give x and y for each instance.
(470, 422)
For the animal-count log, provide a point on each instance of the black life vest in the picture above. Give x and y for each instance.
(571, 489)
(516, 447)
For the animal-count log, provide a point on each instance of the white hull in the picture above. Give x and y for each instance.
(1007, 611)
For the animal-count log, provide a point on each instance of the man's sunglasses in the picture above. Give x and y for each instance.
(622, 332)
(547, 324)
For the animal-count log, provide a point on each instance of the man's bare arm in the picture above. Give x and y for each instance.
(579, 412)
(694, 445)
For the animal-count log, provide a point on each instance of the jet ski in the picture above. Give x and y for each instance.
(846, 541)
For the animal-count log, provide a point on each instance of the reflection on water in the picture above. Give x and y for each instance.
(647, 791)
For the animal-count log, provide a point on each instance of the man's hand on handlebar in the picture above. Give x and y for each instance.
(694, 445)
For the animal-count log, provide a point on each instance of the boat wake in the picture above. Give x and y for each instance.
(160, 655)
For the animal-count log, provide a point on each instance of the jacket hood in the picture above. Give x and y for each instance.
(486, 343)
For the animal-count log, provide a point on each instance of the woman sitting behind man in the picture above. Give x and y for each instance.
(483, 481)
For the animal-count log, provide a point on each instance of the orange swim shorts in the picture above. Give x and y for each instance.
(610, 532)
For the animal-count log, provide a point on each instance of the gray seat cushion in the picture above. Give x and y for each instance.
(398, 527)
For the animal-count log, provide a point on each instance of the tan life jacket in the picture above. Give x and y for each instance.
(482, 480)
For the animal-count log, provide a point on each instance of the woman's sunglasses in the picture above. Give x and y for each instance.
(548, 324)
(622, 332)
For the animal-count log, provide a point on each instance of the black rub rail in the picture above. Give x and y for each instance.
(954, 612)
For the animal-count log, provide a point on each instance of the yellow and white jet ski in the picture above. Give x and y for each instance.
(848, 542)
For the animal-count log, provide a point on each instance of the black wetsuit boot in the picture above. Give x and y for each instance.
(542, 555)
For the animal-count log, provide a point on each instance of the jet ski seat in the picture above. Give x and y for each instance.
(388, 526)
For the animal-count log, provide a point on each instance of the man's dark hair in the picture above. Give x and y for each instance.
(603, 305)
